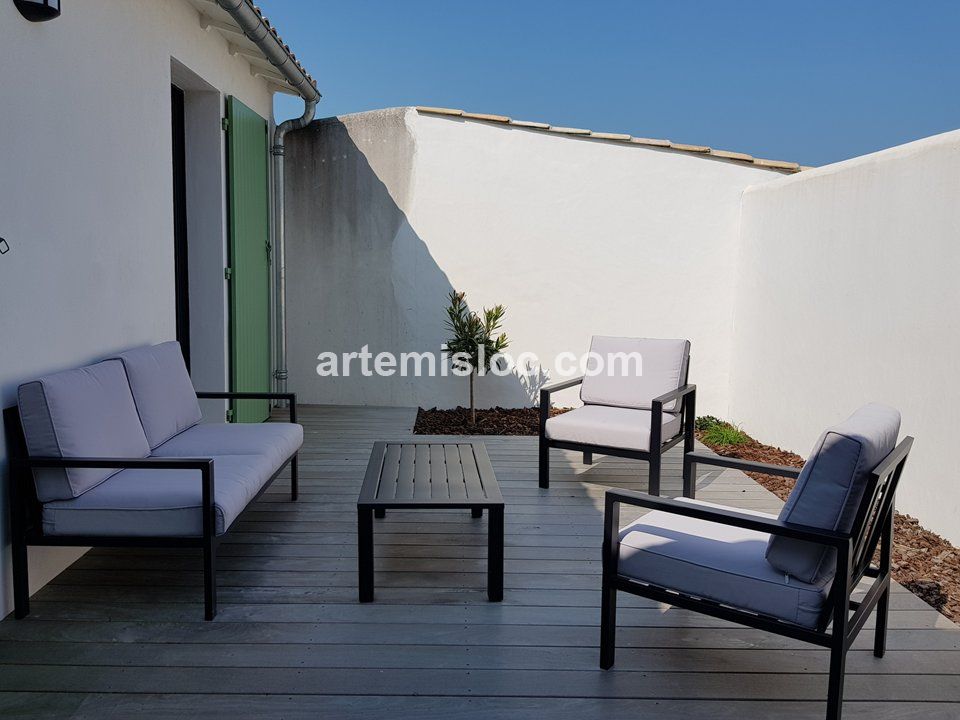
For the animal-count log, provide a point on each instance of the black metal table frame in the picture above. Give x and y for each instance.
(368, 505)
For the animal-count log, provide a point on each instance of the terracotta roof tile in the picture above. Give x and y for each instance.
(531, 124)
(439, 110)
(487, 117)
(651, 141)
(610, 136)
(690, 148)
(569, 130)
(274, 32)
(781, 165)
(729, 155)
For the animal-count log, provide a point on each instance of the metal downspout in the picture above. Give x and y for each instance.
(256, 28)
(280, 266)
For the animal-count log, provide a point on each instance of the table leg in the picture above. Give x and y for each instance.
(495, 554)
(365, 553)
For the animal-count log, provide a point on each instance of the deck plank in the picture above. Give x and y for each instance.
(120, 633)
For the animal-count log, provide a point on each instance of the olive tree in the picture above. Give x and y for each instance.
(475, 341)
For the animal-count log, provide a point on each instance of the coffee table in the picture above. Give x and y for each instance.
(407, 475)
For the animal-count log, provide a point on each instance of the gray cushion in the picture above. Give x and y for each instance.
(610, 426)
(86, 412)
(275, 441)
(162, 390)
(663, 368)
(716, 562)
(153, 503)
(831, 487)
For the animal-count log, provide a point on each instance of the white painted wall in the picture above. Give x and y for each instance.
(86, 189)
(389, 210)
(847, 292)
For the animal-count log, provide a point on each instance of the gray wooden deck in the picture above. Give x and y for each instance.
(120, 634)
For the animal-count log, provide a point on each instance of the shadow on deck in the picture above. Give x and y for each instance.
(120, 633)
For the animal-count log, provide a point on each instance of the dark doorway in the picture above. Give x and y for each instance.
(181, 275)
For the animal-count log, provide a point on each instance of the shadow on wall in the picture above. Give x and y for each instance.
(358, 274)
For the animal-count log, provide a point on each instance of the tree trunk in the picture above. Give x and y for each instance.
(473, 410)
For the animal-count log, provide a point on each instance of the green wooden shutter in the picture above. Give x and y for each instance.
(249, 271)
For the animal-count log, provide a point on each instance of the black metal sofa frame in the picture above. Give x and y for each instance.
(25, 509)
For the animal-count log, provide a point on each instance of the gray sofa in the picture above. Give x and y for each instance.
(114, 454)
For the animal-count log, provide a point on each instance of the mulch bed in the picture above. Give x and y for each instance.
(493, 421)
(923, 562)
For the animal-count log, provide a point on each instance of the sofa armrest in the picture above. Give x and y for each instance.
(545, 398)
(561, 385)
(744, 465)
(731, 517)
(291, 398)
(147, 463)
(680, 392)
(204, 465)
(687, 395)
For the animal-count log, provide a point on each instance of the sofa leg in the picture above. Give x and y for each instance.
(544, 464)
(838, 660)
(883, 604)
(21, 579)
(880, 634)
(689, 478)
(294, 479)
(654, 485)
(608, 625)
(587, 457)
(210, 578)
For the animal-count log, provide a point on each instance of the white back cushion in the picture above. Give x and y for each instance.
(162, 390)
(87, 412)
(831, 488)
(662, 367)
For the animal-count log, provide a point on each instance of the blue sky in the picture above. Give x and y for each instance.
(810, 81)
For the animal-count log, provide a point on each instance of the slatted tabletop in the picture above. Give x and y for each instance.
(425, 474)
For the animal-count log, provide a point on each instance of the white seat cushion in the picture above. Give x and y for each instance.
(275, 441)
(160, 503)
(609, 426)
(656, 367)
(716, 562)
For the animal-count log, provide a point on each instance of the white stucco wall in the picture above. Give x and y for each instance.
(85, 189)
(847, 292)
(390, 210)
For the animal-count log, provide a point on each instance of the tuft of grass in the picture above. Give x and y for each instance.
(705, 422)
(718, 432)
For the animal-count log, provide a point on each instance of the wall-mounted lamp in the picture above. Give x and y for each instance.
(38, 10)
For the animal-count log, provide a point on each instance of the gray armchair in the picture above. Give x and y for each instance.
(632, 412)
(791, 574)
